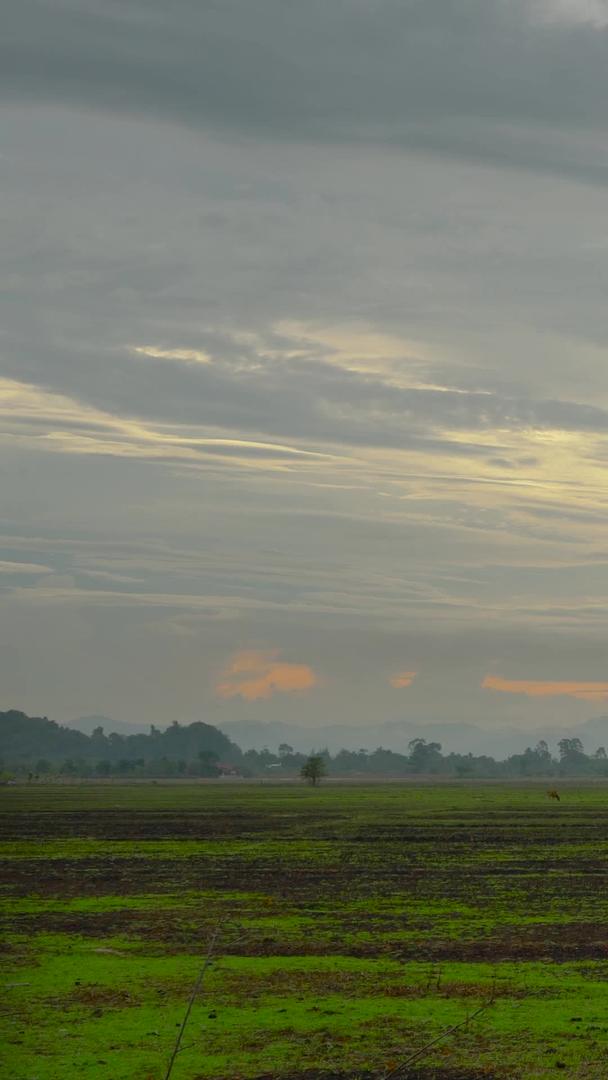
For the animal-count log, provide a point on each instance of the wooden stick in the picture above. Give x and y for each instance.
(438, 1038)
(195, 990)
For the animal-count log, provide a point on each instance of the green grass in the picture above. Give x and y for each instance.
(356, 924)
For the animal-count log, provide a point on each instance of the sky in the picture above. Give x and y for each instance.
(303, 360)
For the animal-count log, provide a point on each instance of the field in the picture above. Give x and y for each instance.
(353, 925)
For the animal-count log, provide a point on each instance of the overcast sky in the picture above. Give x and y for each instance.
(303, 360)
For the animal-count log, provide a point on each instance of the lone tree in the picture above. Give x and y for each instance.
(313, 769)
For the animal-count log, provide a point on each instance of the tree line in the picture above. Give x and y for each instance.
(427, 759)
(36, 746)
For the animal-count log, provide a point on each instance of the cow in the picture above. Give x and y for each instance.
(552, 794)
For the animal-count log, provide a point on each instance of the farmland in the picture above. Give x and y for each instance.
(353, 925)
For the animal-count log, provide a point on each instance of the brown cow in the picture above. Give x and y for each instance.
(553, 794)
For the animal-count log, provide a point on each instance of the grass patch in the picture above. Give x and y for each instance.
(357, 923)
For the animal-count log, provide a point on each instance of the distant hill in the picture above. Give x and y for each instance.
(460, 738)
(28, 739)
(88, 724)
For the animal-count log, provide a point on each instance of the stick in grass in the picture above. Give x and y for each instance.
(195, 990)
(438, 1038)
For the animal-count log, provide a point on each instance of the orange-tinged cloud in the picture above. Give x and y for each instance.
(402, 679)
(585, 691)
(253, 674)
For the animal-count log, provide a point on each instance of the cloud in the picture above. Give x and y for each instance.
(46, 420)
(402, 679)
(584, 691)
(274, 397)
(254, 675)
(484, 79)
(187, 356)
(326, 378)
(590, 12)
(22, 568)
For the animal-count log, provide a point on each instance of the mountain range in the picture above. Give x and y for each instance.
(394, 735)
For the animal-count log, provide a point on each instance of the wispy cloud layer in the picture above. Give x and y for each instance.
(403, 75)
(304, 341)
(537, 688)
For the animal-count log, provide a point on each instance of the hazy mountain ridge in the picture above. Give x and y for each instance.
(88, 724)
(455, 737)
(395, 735)
(82, 738)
